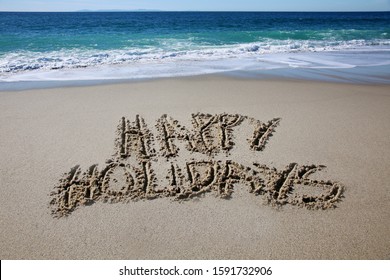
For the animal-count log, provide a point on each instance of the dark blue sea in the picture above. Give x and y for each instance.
(132, 45)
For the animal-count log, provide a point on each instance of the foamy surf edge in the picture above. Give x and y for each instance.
(363, 65)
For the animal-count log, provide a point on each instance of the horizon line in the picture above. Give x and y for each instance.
(198, 11)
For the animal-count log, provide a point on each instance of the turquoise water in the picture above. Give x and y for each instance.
(85, 46)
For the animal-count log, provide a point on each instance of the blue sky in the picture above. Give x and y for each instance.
(198, 5)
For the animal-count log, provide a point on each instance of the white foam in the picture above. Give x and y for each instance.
(185, 60)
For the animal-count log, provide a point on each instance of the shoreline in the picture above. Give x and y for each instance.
(46, 132)
(354, 76)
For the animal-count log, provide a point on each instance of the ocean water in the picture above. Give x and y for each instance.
(134, 45)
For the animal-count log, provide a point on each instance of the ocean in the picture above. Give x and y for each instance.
(85, 46)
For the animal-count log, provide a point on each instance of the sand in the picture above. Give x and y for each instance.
(196, 168)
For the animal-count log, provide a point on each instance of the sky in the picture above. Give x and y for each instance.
(196, 5)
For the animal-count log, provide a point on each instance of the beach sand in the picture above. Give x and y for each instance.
(339, 212)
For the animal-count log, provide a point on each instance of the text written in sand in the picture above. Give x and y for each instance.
(129, 174)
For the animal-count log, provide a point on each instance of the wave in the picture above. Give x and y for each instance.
(81, 58)
(140, 63)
